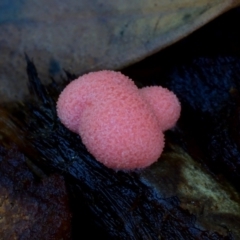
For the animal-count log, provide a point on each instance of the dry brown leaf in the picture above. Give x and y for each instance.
(85, 35)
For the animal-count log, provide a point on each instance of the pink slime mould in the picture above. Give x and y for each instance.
(121, 126)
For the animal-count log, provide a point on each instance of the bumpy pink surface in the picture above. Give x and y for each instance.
(165, 105)
(118, 123)
(122, 133)
(87, 90)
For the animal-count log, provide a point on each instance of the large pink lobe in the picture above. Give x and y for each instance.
(120, 125)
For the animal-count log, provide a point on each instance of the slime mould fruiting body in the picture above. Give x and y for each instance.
(121, 126)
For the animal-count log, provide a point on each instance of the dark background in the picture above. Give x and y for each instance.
(221, 37)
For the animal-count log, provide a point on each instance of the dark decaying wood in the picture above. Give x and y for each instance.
(121, 203)
(31, 207)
